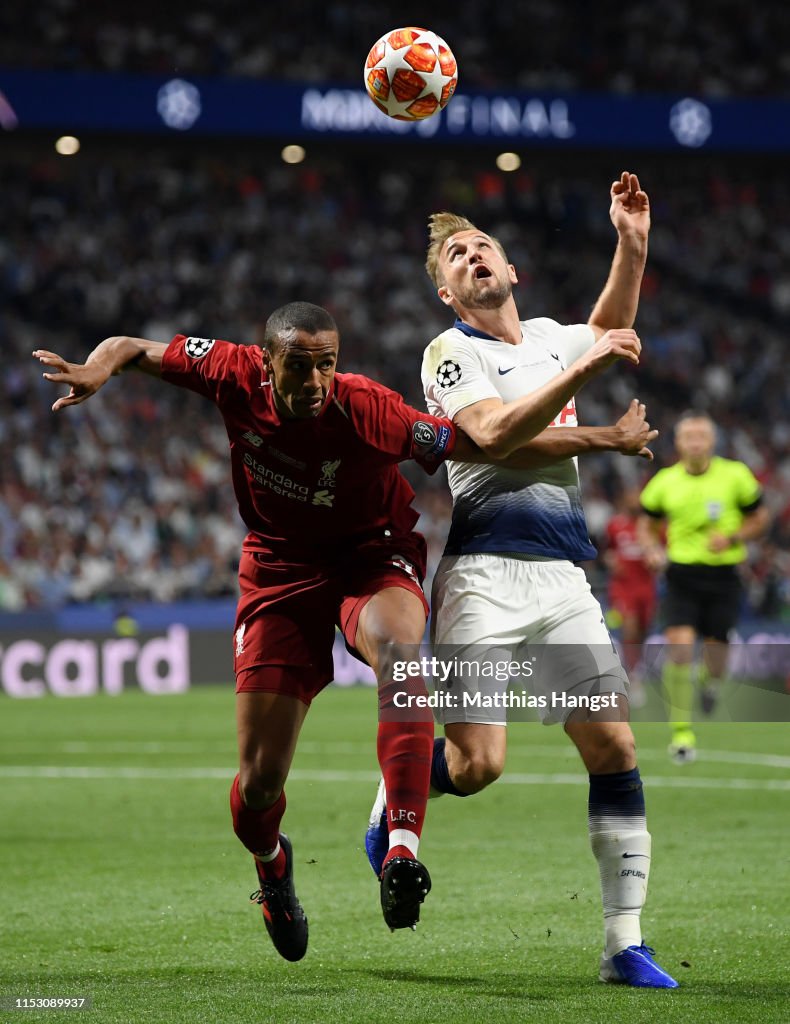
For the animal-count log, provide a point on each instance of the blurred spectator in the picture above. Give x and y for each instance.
(715, 48)
(209, 246)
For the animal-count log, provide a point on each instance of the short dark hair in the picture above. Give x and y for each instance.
(694, 414)
(297, 316)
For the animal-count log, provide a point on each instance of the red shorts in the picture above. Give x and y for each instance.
(636, 601)
(287, 613)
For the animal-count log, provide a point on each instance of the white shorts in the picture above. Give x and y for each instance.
(497, 606)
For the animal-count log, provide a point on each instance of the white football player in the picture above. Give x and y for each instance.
(508, 577)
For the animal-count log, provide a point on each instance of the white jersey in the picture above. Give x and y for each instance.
(528, 512)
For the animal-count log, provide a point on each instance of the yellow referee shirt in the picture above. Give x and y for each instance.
(696, 506)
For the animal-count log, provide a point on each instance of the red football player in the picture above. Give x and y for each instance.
(331, 542)
(632, 583)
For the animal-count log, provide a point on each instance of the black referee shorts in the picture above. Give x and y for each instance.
(707, 597)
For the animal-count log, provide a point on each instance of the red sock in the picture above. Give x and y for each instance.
(405, 750)
(259, 831)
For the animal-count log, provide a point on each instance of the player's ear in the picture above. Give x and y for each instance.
(511, 273)
(445, 295)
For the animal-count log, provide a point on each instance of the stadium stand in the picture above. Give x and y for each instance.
(128, 496)
(666, 46)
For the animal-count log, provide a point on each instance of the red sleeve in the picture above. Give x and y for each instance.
(387, 423)
(211, 367)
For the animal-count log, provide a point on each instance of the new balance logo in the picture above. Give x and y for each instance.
(252, 438)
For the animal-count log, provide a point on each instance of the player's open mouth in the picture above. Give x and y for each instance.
(480, 272)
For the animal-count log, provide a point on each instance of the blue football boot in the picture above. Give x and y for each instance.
(377, 836)
(635, 966)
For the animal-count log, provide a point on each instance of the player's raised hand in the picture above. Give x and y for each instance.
(84, 379)
(630, 209)
(635, 432)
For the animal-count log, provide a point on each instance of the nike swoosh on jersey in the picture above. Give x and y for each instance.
(506, 370)
(635, 855)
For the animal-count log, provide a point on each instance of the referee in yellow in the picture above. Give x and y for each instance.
(712, 506)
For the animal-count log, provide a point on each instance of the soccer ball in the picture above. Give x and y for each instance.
(410, 73)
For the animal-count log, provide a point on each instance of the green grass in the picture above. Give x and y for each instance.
(133, 890)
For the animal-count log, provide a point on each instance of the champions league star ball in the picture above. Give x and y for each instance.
(410, 73)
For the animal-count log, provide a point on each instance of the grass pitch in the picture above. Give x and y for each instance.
(122, 881)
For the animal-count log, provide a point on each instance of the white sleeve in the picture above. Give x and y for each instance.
(453, 375)
(575, 340)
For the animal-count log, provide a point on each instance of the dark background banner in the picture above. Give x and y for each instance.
(74, 101)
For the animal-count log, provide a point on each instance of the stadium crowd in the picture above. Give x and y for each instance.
(714, 48)
(129, 495)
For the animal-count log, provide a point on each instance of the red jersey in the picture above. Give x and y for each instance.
(308, 486)
(630, 568)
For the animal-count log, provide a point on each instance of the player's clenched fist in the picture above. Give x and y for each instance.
(620, 343)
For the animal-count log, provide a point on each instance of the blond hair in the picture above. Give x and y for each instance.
(442, 226)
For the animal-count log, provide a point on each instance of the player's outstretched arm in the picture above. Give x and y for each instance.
(630, 214)
(500, 429)
(630, 435)
(109, 357)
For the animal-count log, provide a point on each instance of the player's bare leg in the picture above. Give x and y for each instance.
(268, 726)
(621, 845)
(391, 627)
(603, 746)
(471, 758)
(678, 687)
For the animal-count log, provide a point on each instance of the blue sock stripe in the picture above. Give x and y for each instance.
(440, 773)
(617, 793)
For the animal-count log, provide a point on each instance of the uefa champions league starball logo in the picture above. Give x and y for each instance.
(178, 104)
(449, 373)
(196, 348)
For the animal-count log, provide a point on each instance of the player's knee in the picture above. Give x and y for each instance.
(614, 753)
(388, 649)
(390, 629)
(474, 770)
(260, 783)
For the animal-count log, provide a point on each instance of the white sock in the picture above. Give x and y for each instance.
(623, 855)
(266, 858)
(407, 838)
